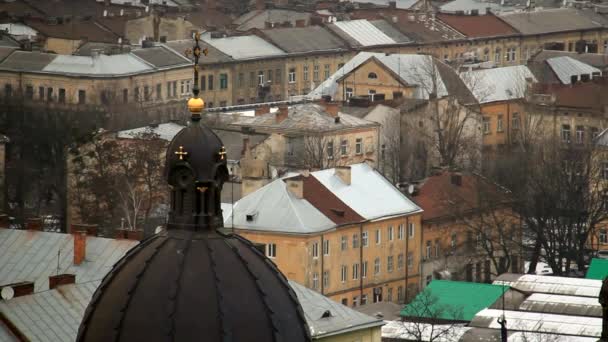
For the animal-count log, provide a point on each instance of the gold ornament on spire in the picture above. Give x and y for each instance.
(196, 105)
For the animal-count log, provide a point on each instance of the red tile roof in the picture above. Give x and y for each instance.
(327, 203)
(439, 197)
(477, 26)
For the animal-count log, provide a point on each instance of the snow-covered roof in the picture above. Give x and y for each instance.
(244, 47)
(564, 305)
(364, 32)
(274, 208)
(369, 194)
(401, 4)
(165, 131)
(498, 84)
(565, 67)
(100, 65)
(414, 331)
(540, 322)
(18, 29)
(551, 285)
(410, 67)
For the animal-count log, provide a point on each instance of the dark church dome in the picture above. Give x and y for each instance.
(193, 282)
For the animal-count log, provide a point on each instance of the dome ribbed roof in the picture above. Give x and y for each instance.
(194, 286)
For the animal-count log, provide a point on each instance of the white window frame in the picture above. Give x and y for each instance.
(330, 150)
(356, 241)
(391, 233)
(315, 280)
(486, 125)
(580, 134)
(365, 239)
(390, 260)
(603, 236)
(344, 242)
(292, 75)
(400, 261)
(377, 266)
(364, 270)
(401, 231)
(378, 236)
(344, 148)
(271, 250)
(499, 123)
(343, 274)
(325, 278)
(315, 250)
(359, 146)
(260, 78)
(355, 272)
(411, 229)
(304, 73)
(410, 260)
(326, 246)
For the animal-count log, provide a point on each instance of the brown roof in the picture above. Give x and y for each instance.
(585, 95)
(477, 26)
(75, 30)
(18, 9)
(440, 197)
(327, 203)
(206, 18)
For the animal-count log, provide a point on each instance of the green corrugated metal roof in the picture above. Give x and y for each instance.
(598, 269)
(453, 300)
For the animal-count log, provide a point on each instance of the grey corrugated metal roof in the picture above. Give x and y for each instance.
(342, 320)
(214, 55)
(597, 60)
(304, 39)
(562, 305)
(5, 52)
(245, 47)
(165, 131)
(401, 4)
(565, 67)
(549, 21)
(161, 56)
(52, 315)
(32, 256)
(552, 285)
(303, 118)
(390, 31)
(101, 65)
(26, 60)
(275, 208)
(363, 32)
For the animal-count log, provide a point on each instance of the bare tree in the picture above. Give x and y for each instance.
(428, 320)
(320, 151)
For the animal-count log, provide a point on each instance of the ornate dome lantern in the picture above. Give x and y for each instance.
(192, 282)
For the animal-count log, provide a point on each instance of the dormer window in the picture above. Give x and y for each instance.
(251, 216)
(372, 76)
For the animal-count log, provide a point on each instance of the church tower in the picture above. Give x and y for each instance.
(193, 282)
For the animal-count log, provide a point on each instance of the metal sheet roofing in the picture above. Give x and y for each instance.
(407, 66)
(551, 285)
(598, 269)
(565, 67)
(540, 322)
(562, 305)
(244, 47)
(258, 19)
(33, 256)
(304, 39)
(550, 20)
(52, 315)
(469, 5)
(6, 51)
(165, 131)
(27, 61)
(390, 31)
(214, 55)
(424, 331)
(370, 194)
(342, 319)
(498, 84)
(493, 335)
(274, 208)
(400, 4)
(98, 66)
(161, 56)
(453, 300)
(364, 32)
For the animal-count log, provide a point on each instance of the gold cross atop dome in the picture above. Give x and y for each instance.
(222, 153)
(181, 153)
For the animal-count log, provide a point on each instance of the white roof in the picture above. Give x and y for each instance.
(244, 47)
(32, 256)
(275, 208)
(563, 305)
(401, 4)
(425, 332)
(468, 5)
(565, 67)
(165, 131)
(370, 194)
(497, 84)
(554, 285)
(407, 66)
(364, 32)
(100, 65)
(540, 322)
(17, 29)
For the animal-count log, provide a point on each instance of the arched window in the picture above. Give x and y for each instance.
(372, 75)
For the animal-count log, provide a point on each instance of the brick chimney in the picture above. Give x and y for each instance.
(23, 288)
(265, 109)
(61, 279)
(80, 247)
(34, 223)
(295, 185)
(343, 172)
(332, 109)
(260, 5)
(282, 114)
(90, 229)
(301, 23)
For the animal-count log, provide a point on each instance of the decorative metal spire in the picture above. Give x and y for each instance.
(196, 104)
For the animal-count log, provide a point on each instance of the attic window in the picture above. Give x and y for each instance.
(326, 314)
(338, 212)
(250, 217)
(372, 76)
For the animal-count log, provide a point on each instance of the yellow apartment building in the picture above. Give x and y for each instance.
(344, 232)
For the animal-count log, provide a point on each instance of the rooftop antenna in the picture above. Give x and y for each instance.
(502, 320)
(58, 257)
